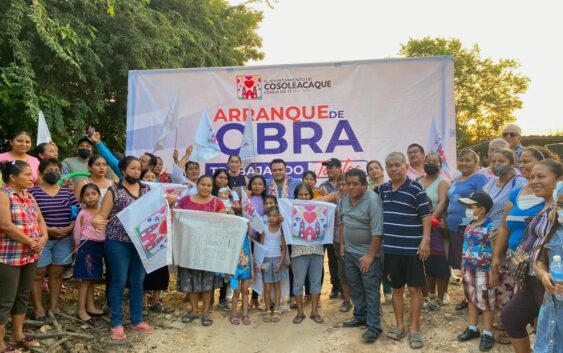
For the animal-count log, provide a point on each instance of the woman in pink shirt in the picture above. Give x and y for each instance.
(20, 143)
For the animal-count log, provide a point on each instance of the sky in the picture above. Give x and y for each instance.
(306, 31)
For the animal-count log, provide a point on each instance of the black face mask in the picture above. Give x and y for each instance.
(130, 179)
(431, 168)
(51, 178)
(84, 153)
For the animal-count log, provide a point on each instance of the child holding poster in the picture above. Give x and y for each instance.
(90, 252)
(273, 269)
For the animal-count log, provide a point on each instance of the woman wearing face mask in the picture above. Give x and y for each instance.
(123, 260)
(98, 168)
(56, 203)
(437, 268)
(20, 144)
(524, 306)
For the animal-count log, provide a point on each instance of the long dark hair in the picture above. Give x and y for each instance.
(258, 176)
(218, 171)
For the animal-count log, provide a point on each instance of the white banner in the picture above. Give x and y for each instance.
(168, 188)
(307, 222)
(354, 111)
(258, 254)
(147, 222)
(208, 241)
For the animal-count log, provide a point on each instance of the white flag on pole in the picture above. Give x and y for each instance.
(43, 134)
(248, 146)
(170, 123)
(205, 145)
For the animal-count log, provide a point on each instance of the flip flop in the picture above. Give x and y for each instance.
(267, 317)
(28, 342)
(276, 316)
(416, 341)
(10, 349)
(234, 320)
(298, 319)
(206, 320)
(118, 333)
(246, 320)
(189, 318)
(396, 333)
(317, 318)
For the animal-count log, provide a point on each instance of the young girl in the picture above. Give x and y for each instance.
(243, 275)
(158, 280)
(89, 257)
(269, 202)
(307, 260)
(257, 187)
(476, 267)
(274, 270)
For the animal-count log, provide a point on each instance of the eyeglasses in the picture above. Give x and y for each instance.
(511, 134)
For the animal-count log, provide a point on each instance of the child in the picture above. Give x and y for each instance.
(89, 257)
(273, 269)
(242, 275)
(224, 194)
(269, 202)
(476, 267)
(149, 175)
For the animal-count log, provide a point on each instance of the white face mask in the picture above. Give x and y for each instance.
(469, 213)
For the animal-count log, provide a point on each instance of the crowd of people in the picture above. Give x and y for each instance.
(404, 226)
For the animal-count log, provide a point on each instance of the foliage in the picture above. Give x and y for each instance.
(71, 58)
(486, 92)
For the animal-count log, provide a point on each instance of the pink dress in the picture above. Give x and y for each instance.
(32, 161)
(186, 203)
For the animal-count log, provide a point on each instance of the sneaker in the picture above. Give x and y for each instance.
(446, 299)
(433, 305)
(370, 336)
(224, 305)
(468, 334)
(487, 342)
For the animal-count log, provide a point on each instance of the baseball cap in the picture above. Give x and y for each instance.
(84, 139)
(479, 198)
(333, 162)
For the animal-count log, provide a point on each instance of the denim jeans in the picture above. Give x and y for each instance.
(126, 268)
(364, 290)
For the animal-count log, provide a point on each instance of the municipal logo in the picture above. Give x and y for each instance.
(249, 87)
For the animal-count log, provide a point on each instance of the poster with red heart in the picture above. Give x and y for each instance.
(307, 222)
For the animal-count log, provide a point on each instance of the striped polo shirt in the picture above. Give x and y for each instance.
(403, 210)
(56, 210)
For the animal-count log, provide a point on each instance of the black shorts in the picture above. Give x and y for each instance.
(402, 269)
(437, 266)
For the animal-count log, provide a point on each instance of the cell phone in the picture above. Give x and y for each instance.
(90, 130)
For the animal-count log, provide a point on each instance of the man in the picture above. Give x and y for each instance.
(416, 155)
(512, 134)
(406, 242)
(281, 185)
(80, 163)
(333, 171)
(361, 227)
(148, 161)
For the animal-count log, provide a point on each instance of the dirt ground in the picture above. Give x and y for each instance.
(439, 329)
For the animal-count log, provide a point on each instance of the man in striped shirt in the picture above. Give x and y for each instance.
(406, 242)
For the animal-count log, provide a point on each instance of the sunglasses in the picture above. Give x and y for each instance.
(511, 134)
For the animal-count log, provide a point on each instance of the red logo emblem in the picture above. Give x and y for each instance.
(249, 87)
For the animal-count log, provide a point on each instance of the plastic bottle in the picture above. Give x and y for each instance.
(556, 270)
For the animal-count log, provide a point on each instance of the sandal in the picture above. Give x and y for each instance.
(396, 333)
(276, 316)
(118, 334)
(298, 319)
(317, 318)
(143, 327)
(189, 318)
(10, 349)
(267, 317)
(234, 319)
(157, 308)
(503, 338)
(345, 307)
(416, 341)
(206, 320)
(28, 342)
(462, 305)
(246, 320)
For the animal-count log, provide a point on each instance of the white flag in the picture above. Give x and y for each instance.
(147, 221)
(43, 134)
(170, 123)
(307, 222)
(249, 212)
(248, 146)
(205, 146)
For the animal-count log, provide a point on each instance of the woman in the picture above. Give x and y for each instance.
(221, 180)
(123, 260)
(463, 185)
(524, 306)
(375, 174)
(56, 204)
(20, 144)
(495, 145)
(98, 168)
(437, 268)
(310, 178)
(23, 234)
(198, 282)
(46, 150)
(549, 337)
(158, 170)
(237, 181)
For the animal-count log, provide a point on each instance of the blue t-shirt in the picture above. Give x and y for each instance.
(459, 189)
(403, 210)
(477, 249)
(517, 219)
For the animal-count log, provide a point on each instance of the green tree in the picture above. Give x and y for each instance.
(486, 92)
(71, 58)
